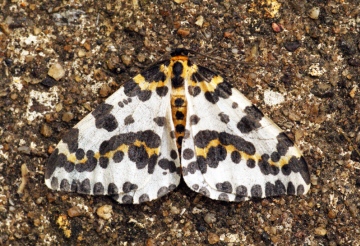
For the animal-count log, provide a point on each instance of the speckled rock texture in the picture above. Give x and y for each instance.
(60, 59)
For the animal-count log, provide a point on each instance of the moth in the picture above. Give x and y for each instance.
(177, 119)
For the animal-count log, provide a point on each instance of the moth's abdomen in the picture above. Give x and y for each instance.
(178, 109)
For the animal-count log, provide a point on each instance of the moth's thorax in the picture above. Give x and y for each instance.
(179, 69)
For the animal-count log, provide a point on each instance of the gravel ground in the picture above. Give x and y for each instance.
(299, 62)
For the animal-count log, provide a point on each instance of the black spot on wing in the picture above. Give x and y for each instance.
(153, 74)
(265, 167)
(194, 119)
(276, 189)
(75, 184)
(241, 191)
(80, 154)
(151, 139)
(162, 191)
(203, 138)
(225, 187)
(118, 156)
(194, 90)
(195, 186)
(290, 189)
(102, 109)
(127, 187)
(224, 118)
(300, 165)
(90, 163)
(191, 168)
(84, 187)
(127, 199)
(223, 197)
(65, 185)
(160, 121)
(71, 138)
(98, 189)
(173, 154)
(188, 154)
(129, 120)
(251, 121)
(256, 191)
(138, 155)
(112, 189)
(300, 190)
(235, 157)
(284, 143)
(114, 142)
(167, 165)
(162, 91)
(51, 164)
(103, 118)
(144, 198)
(54, 183)
(250, 163)
(204, 191)
(103, 161)
(238, 142)
(144, 95)
(58, 160)
(131, 88)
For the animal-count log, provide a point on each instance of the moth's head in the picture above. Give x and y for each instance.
(181, 52)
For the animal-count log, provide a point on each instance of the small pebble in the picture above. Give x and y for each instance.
(74, 211)
(210, 218)
(355, 62)
(45, 130)
(14, 96)
(316, 70)
(87, 46)
(67, 117)
(56, 71)
(104, 212)
(183, 32)
(141, 57)
(105, 90)
(331, 214)
(180, 1)
(292, 46)
(81, 53)
(199, 21)
(213, 238)
(314, 13)
(48, 82)
(227, 34)
(24, 149)
(320, 231)
(126, 60)
(276, 27)
(37, 31)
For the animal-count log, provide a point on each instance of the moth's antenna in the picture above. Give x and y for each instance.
(183, 51)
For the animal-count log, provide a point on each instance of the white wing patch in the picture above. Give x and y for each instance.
(123, 148)
(233, 151)
(129, 146)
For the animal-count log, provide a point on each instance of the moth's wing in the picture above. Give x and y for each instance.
(123, 148)
(232, 151)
